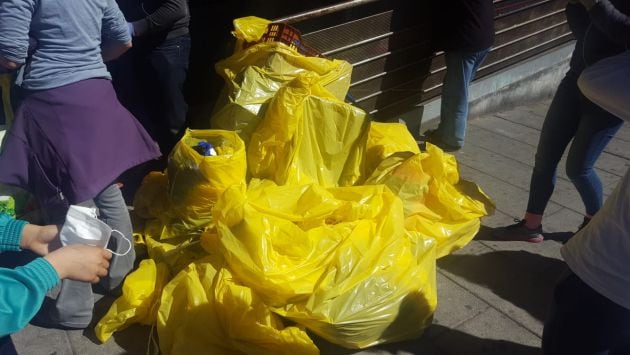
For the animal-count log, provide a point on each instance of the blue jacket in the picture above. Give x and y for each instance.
(66, 36)
(22, 289)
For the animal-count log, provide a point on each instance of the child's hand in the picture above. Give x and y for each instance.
(80, 262)
(40, 239)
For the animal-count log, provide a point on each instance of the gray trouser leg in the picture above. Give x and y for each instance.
(71, 304)
(113, 211)
(74, 305)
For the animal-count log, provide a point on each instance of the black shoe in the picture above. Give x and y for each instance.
(518, 232)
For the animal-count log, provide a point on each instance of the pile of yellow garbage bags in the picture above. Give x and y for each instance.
(310, 221)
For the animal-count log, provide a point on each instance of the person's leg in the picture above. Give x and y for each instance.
(560, 125)
(596, 129)
(113, 211)
(71, 303)
(582, 321)
(170, 63)
(558, 129)
(6, 346)
(460, 71)
(137, 93)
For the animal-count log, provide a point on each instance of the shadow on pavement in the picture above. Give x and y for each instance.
(485, 233)
(507, 275)
(561, 237)
(448, 342)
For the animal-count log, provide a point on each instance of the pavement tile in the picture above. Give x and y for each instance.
(509, 281)
(619, 148)
(509, 199)
(491, 333)
(613, 164)
(624, 133)
(518, 174)
(422, 346)
(34, 340)
(455, 305)
(523, 115)
(474, 247)
(541, 107)
(517, 132)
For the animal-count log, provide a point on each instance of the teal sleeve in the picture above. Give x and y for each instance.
(22, 293)
(10, 233)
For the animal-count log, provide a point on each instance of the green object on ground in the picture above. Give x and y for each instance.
(7, 205)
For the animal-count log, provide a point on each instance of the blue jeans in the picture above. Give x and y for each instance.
(582, 321)
(571, 116)
(460, 71)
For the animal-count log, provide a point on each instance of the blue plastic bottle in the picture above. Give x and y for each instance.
(206, 149)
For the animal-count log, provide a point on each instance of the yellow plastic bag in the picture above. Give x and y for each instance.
(377, 291)
(402, 172)
(385, 139)
(425, 213)
(250, 28)
(204, 311)
(176, 253)
(336, 260)
(280, 60)
(139, 302)
(428, 183)
(308, 136)
(195, 182)
(263, 246)
(453, 206)
(151, 199)
(253, 76)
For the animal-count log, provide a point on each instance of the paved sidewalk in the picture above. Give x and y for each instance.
(492, 296)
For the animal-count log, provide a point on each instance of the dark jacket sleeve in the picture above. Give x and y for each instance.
(578, 19)
(609, 20)
(163, 18)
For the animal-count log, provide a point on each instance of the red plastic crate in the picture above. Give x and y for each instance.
(289, 35)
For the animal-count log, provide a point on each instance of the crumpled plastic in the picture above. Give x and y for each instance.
(250, 28)
(254, 74)
(335, 260)
(453, 206)
(308, 136)
(139, 302)
(204, 310)
(387, 293)
(337, 231)
(180, 200)
(384, 140)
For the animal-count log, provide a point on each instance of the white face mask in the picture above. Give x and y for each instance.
(83, 227)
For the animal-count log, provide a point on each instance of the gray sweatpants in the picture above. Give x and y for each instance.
(71, 303)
